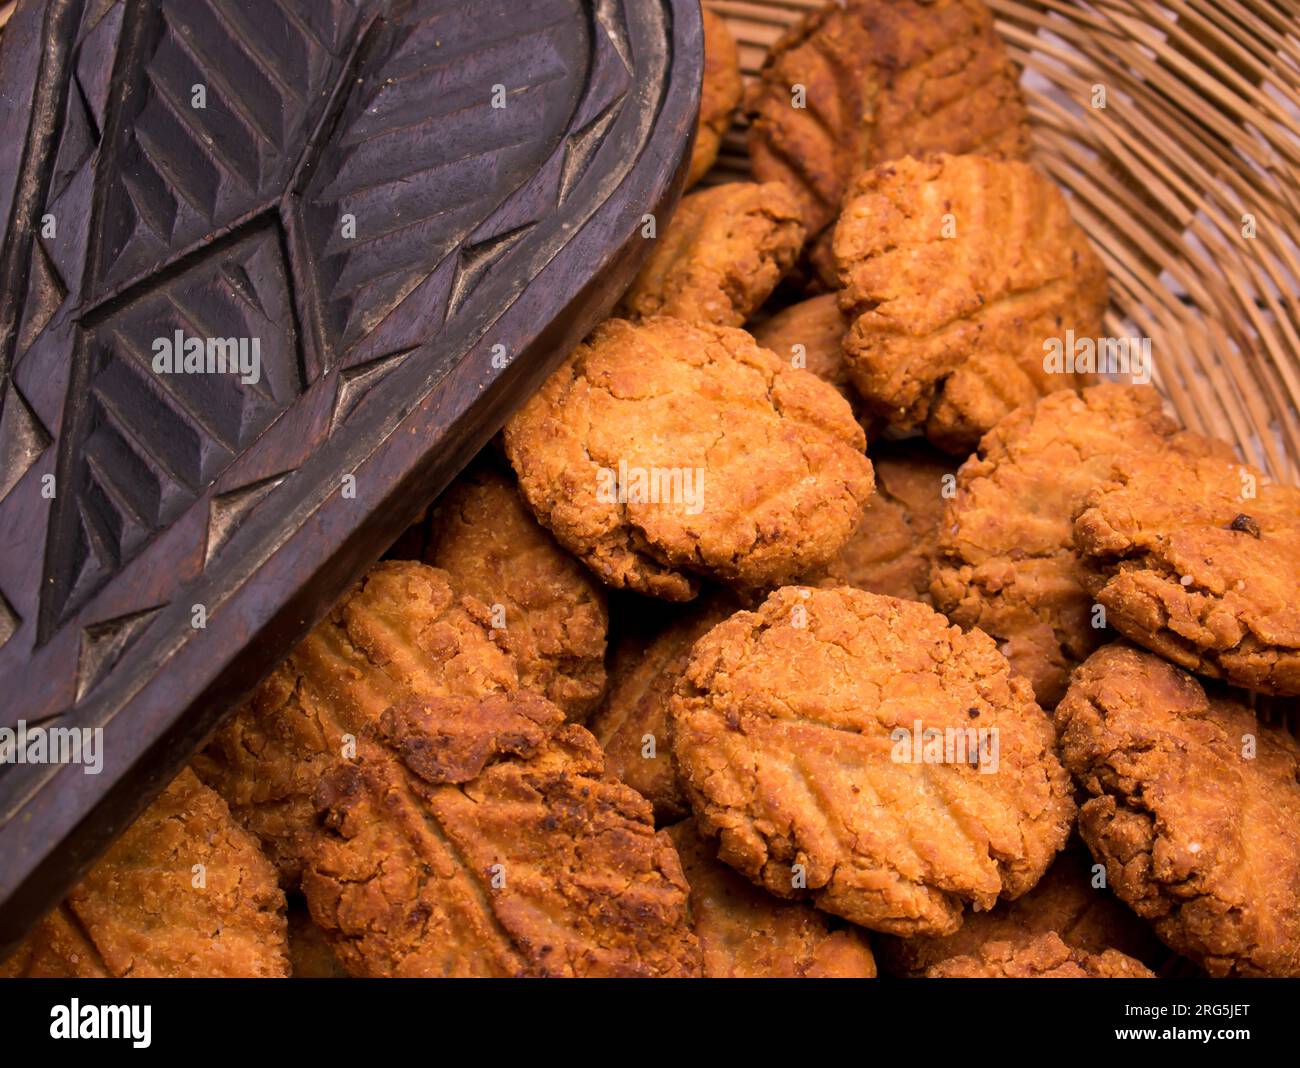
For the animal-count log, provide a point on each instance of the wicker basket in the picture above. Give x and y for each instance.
(1201, 129)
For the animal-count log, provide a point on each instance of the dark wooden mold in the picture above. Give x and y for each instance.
(128, 213)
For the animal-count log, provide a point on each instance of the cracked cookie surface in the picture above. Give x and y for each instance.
(478, 837)
(786, 735)
(1006, 561)
(138, 912)
(661, 452)
(720, 256)
(1194, 808)
(1045, 957)
(882, 79)
(746, 933)
(402, 631)
(547, 610)
(1198, 559)
(956, 272)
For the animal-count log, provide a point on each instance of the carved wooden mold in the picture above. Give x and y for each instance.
(272, 271)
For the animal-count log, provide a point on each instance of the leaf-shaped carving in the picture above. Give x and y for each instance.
(433, 135)
(222, 92)
(141, 446)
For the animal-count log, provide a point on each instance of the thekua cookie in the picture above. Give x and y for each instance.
(1198, 558)
(661, 453)
(861, 82)
(860, 751)
(962, 276)
(1193, 806)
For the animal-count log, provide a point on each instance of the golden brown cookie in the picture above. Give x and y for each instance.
(859, 750)
(632, 725)
(1067, 902)
(661, 451)
(1194, 808)
(957, 272)
(880, 80)
(1045, 957)
(893, 547)
(477, 837)
(402, 631)
(746, 933)
(1006, 561)
(720, 94)
(720, 257)
(1198, 559)
(546, 609)
(184, 893)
